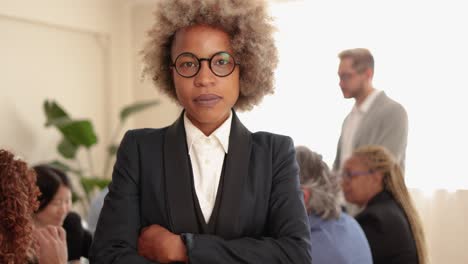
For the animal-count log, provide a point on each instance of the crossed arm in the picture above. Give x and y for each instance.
(119, 240)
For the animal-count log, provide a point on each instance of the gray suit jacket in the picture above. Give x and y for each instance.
(385, 124)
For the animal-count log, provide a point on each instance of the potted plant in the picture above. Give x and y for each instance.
(79, 134)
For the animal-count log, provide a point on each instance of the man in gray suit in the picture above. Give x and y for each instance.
(375, 118)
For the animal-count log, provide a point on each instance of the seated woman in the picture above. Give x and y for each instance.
(335, 236)
(373, 180)
(20, 242)
(54, 209)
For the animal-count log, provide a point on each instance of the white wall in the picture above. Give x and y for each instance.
(83, 54)
(86, 15)
(444, 217)
(51, 50)
(144, 89)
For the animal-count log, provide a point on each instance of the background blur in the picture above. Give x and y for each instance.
(85, 55)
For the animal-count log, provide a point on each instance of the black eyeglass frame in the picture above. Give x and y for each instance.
(346, 175)
(173, 65)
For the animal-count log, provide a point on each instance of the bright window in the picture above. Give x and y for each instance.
(420, 49)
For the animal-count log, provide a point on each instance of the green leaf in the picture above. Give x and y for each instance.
(59, 121)
(64, 167)
(76, 197)
(79, 133)
(67, 149)
(112, 149)
(89, 183)
(76, 132)
(136, 107)
(53, 111)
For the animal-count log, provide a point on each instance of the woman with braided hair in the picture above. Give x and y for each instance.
(373, 180)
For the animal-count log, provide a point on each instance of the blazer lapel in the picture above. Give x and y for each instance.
(237, 165)
(178, 180)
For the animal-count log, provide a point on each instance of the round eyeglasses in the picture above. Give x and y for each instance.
(188, 65)
(348, 175)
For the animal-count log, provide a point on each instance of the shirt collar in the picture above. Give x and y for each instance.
(221, 134)
(364, 107)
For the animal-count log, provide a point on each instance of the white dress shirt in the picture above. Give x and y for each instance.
(207, 158)
(352, 123)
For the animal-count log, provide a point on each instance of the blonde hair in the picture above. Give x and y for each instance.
(250, 30)
(362, 58)
(377, 158)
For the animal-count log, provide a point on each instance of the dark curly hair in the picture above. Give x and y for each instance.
(246, 21)
(18, 201)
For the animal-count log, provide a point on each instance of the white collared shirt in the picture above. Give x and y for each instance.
(352, 124)
(207, 157)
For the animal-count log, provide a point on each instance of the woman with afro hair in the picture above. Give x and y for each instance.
(205, 189)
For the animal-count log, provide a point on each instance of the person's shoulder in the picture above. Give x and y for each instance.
(278, 147)
(145, 132)
(144, 135)
(385, 211)
(268, 137)
(271, 140)
(390, 105)
(352, 225)
(346, 218)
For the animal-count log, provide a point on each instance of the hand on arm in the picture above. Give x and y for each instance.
(285, 237)
(156, 243)
(52, 245)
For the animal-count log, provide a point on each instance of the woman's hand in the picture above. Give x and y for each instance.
(158, 244)
(52, 245)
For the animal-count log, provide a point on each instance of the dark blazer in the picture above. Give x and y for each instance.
(261, 216)
(78, 238)
(388, 231)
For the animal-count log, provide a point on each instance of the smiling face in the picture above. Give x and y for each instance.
(57, 209)
(207, 98)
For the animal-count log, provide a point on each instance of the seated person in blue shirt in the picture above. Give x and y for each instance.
(335, 236)
(372, 179)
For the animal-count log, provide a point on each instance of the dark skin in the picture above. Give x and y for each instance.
(156, 243)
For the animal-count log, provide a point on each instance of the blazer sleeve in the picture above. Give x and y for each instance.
(116, 236)
(288, 239)
(394, 131)
(337, 162)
